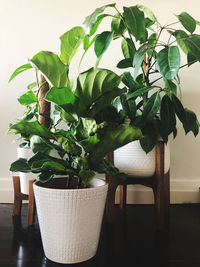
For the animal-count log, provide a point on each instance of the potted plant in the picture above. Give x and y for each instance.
(153, 56)
(84, 126)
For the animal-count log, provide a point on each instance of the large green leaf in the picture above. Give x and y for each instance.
(139, 57)
(117, 26)
(191, 122)
(19, 70)
(151, 107)
(193, 45)
(113, 137)
(91, 20)
(148, 12)
(92, 84)
(187, 21)
(170, 87)
(129, 106)
(139, 92)
(125, 63)
(20, 165)
(31, 128)
(179, 109)
(52, 68)
(135, 21)
(60, 96)
(168, 62)
(167, 114)
(27, 98)
(86, 176)
(180, 37)
(85, 128)
(102, 42)
(128, 48)
(96, 25)
(70, 42)
(191, 59)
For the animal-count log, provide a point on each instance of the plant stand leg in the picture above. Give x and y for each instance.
(31, 204)
(17, 196)
(123, 197)
(110, 203)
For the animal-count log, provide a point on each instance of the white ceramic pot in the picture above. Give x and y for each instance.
(132, 159)
(25, 177)
(70, 220)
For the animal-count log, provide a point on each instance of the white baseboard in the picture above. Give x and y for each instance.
(181, 191)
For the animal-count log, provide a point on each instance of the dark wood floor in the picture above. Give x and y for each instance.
(132, 241)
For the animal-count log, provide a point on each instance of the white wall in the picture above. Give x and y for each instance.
(30, 26)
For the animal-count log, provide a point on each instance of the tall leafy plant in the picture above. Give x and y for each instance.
(153, 63)
(90, 127)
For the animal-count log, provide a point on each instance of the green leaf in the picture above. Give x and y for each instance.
(187, 21)
(148, 12)
(191, 59)
(167, 114)
(96, 25)
(20, 165)
(31, 85)
(86, 41)
(191, 123)
(85, 128)
(31, 128)
(139, 57)
(37, 144)
(60, 96)
(193, 45)
(117, 26)
(52, 67)
(179, 109)
(151, 107)
(128, 48)
(102, 42)
(135, 22)
(129, 106)
(112, 138)
(70, 42)
(139, 92)
(128, 81)
(150, 137)
(180, 37)
(86, 176)
(27, 98)
(19, 70)
(168, 62)
(125, 63)
(91, 20)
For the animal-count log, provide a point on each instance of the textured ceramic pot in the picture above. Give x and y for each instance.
(70, 220)
(25, 177)
(132, 159)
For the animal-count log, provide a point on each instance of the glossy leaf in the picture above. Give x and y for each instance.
(86, 176)
(193, 45)
(191, 123)
(102, 42)
(31, 128)
(150, 137)
(167, 114)
(191, 59)
(151, 107)
(117, 26)
(20, 165)
(129, 81)
(139, 92)
(60, 96)
(170, 87)
(52, 68)
(114, 137)
(125, 63)
(179, 109)
(70, 42)
(27, 98)
(180, 37)
(91, 20)
(129, 106)
(96, 25)
(168, 62)
(85, 128)
(139, 57)
(187, 21)
(135, 22)
(128, 48)
(86, 41)
(148, 12)
(20, 70)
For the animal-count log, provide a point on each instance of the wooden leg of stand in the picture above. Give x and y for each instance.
(17, 199)
(123, 192)
(110, 203)
(31, 204)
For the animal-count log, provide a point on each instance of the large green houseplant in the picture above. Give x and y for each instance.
(152, 57)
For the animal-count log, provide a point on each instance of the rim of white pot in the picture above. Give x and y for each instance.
(91, 188)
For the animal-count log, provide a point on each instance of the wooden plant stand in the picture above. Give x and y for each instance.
(19, 197)
(159, 183)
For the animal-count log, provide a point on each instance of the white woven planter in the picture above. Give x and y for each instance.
(132, 160)
(70, 221)
(25, 177)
